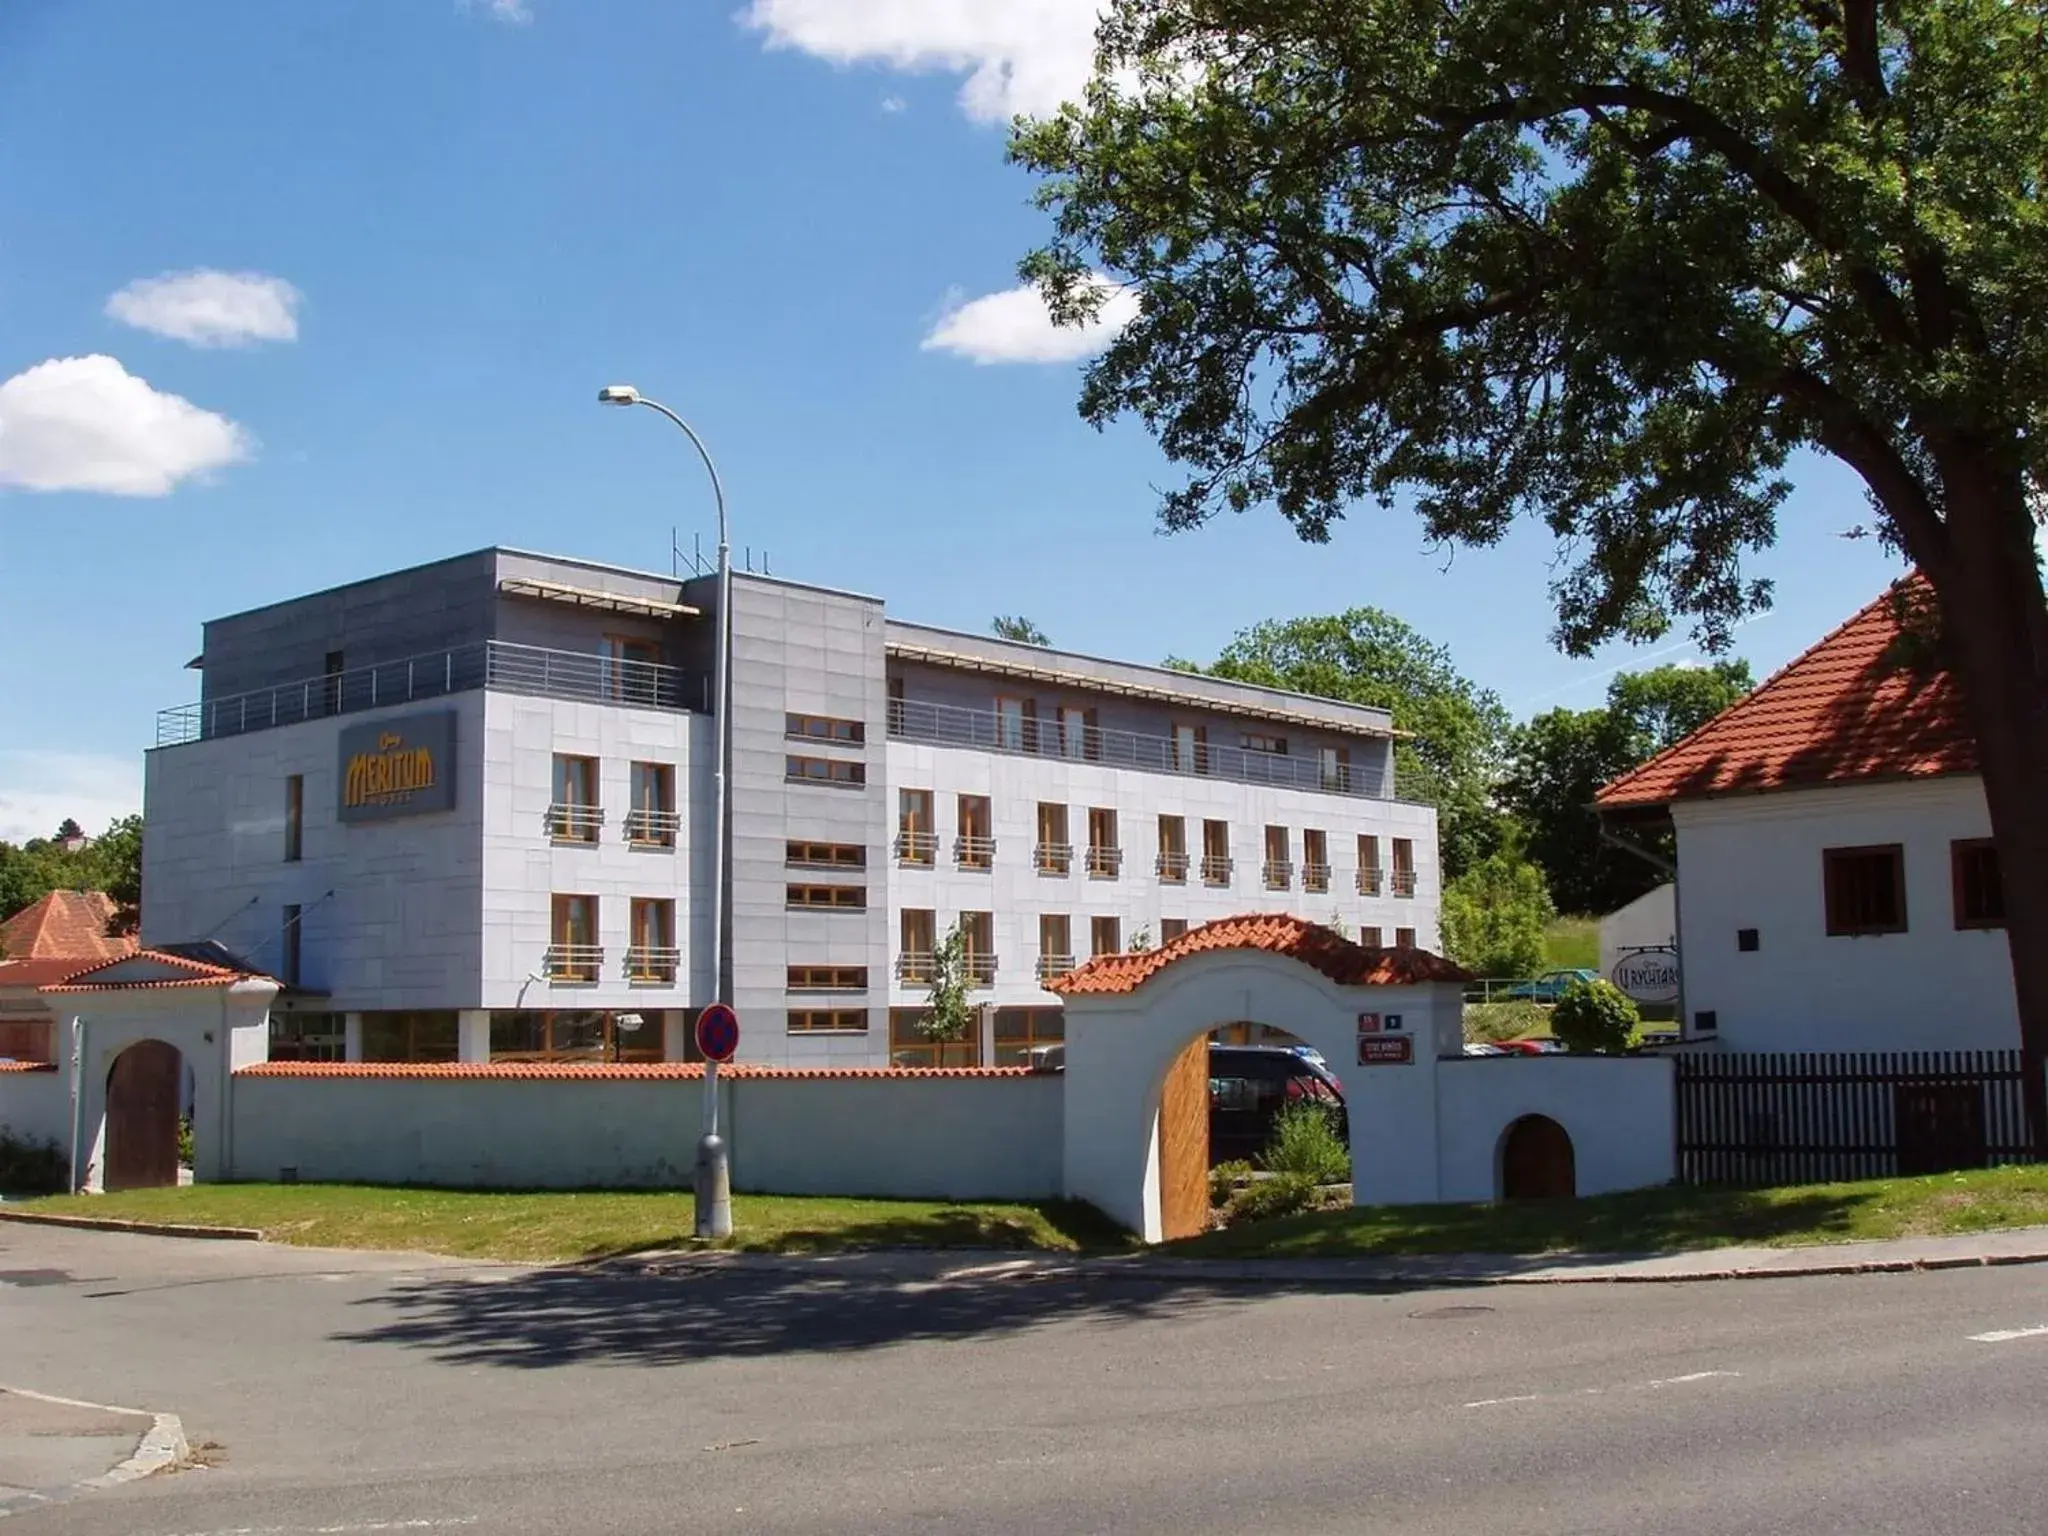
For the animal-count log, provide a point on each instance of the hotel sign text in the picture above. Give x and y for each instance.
(402, 767)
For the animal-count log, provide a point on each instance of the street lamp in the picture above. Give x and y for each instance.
(714, 1198)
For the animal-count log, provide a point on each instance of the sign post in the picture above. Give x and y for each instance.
(718, 1038)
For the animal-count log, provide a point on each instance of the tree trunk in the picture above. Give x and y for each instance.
(1994, 625)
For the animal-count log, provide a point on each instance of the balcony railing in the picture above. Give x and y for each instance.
(1053, 858)
(653, 963)
(1105, 863)
(498, 664)
(917, 847)
(1278, 874)
(1172, 867)
(572, 822)
(1404, 882)
(1369, 880)
(915, 966)
(573, 962)
(1216, 868)
(1315, 877)
(980, 970)
(974, 852)
(1050, 966)
(950, 725)
(652, 829)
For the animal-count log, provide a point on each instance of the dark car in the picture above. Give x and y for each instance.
(1248, 1087)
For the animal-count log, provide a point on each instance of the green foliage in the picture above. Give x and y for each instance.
(1491, 1023)
(1305, 1142)
(32, 1168)
(1458, 731)
(184, 1141)
(948, 1014)
(1017, 627)
(1141, 941)
(111, 862)
(1224, 1179)
(1572, 944)
(1284, 1194)
(1595, 1017)
(1495, 916)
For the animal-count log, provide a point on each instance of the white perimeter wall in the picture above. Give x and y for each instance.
(1755, 862)
(938, 1138)
(36, 1106)
(1618, 1111)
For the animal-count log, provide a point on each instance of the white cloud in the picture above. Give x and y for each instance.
(514, 13)
(1018, 55)
(894, 104)
(88, 424)
(1013, 327)
(39, 788)
(209, 308)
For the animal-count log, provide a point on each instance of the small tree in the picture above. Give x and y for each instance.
(1141, 940)
(947, 1012)
(1018, 628)
(1595, 1018)
(1494, 916)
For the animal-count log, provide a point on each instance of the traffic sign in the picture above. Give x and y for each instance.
(718, 1033)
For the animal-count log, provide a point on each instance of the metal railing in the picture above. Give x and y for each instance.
(971, 852)
(917, 847)
(651, 828)
(574, 822)
(1053, 858)
(652, 962)
(1369, 880)
(1050, 966)
(498, 664)
(980, 970)
(950, 725)
(1403, 883)
(1216, 868)
(1105, 863)
(573, 962)
(1172, 866)
(1278, 874)
(915, 965)
(1315, 877)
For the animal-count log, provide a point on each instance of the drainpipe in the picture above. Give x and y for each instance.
(77, 1101)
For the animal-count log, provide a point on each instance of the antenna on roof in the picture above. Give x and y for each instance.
(675, 555)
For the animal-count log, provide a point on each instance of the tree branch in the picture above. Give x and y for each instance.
(1853, 438)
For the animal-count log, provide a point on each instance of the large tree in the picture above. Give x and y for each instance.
(1609, 264)
(1456, 733)
(111, 862)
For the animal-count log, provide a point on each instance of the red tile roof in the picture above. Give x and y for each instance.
(1845, 712)
(1322, 949)
(194, 973)
(40, 973)
(64, 925)
(573, 1071)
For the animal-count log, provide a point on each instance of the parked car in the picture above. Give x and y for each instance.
(1249, 1085)
(1310, 1054)
(1547, 988)
(1047, 1058)
(1537, 1047)
(1481, 1048)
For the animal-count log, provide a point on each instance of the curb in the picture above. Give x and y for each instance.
(163, 1445)
(140, 1228)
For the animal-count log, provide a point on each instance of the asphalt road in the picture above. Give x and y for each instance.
(366, 1393)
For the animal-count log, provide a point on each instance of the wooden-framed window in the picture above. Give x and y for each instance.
(916, 840)
(590, 1035)
(1278, 869)
(839, 772)
(1054, 854)
(1078, 736)
(294, 817)
(910, 1047)
(1315, 859)
(1265, 743)
(652, 822)
(1404, 938)
(1055, 944)
(1369, 878)
(1105, 936)
(1105, 854)
(1190, 749)
(1369, 936)
(1334, 767)
(411, 1036)
(575, 816)
(978, 948)
(631, 668)
(898, 707)
(1016, 724)
(1404, 866)
(1979, 894)
(974, 847)
(1865, 889)
(828, 1021)
(802, 854)
(653, 956)
(1171, 928)
(1021, 1032)
(573, 951)
(828, 978)
(1172, 864)
(1215, 853)
(829, 728)
(918, 931)
(293, 1037)
(833, 898)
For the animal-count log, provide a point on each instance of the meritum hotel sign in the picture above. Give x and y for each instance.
(398, 767)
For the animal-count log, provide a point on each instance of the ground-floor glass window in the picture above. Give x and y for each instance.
(589, 1035)
(411, 1037)
(308, 1037)
(1020, 1031)
(909, 1047)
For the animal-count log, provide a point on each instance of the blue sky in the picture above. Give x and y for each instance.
(424, 232)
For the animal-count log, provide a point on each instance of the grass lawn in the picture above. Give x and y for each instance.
(1572, 944)
(1656, 1220)
(553, 1225)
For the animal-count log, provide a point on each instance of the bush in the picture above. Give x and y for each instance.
(1224, 1179)
(1490, 1023)
(1305, 1142)
(1595, 1017)
(1495, 916)
(1284, 1194)
(33, 1168)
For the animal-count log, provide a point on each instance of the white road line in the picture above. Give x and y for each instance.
(1495, 1402)
(1643, 1386)
(1678, 1381)
(2007, 1335)
(339, 1530)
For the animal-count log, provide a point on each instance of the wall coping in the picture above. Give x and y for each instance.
(631, 1071)
(28, 1066)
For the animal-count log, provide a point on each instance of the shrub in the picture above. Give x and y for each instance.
(1593, 1017)
(1495, 915)
(1224, 1179)
(1284, 1194)
(1490, 1023)
(1305, 1142)
(33, 1168)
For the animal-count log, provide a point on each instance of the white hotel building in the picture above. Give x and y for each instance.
(464, 812)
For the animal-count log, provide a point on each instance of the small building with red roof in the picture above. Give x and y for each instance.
(49, 941)
(1837, 886)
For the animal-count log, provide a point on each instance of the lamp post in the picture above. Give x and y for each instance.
(714, 1176)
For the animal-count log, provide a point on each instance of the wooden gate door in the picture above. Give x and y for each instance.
(142, 1117)
(1536, 1163)
(1184, 1143)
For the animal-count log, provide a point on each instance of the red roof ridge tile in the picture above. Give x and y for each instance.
(1313, 944)
(202, 974)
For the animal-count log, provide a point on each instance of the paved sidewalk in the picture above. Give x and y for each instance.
(2024, 1245)
(52, 1448)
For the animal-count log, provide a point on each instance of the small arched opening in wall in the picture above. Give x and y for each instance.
(1537, 1161)
(145, 1088)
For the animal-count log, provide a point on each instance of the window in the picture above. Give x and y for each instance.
(897, 708)
(30, 1038)
(1278, 869)
(916, 842)
(1404, 938)
(1215, 853)
(1105, 936)
(1368, 866)
(575, 817)
(828, 978)
(975, 847)
(1190, 749)
(978, 947)
(631, 668)
(1171, 928)
(652, 956)
(1865, 889)
(1979, 895)
(918, 938)
(828, 1021)
(586, 1035)
(573, 951)
(836, 898)
(1017, 724)
(1022, 1032)
(294, 817)
(1054, 855)
(843, 772)
(1334, 764)
(1055, 944)
(1369, 937)
(1078, 736)
(290, 962)
(410, 1037)
(844, 733)
(909, 1047)
(331, 685)
(1265, 744)
(1315, 860)
(1404, 866)
(1105, 858)
(1173, 850)
(305, 1037)
(807, 855)
(652, 821)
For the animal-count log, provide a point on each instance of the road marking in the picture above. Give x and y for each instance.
(1679, 1381)
(1495, 1402)
(1642, 1386)
(2007, 1335)
(364, 1528)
